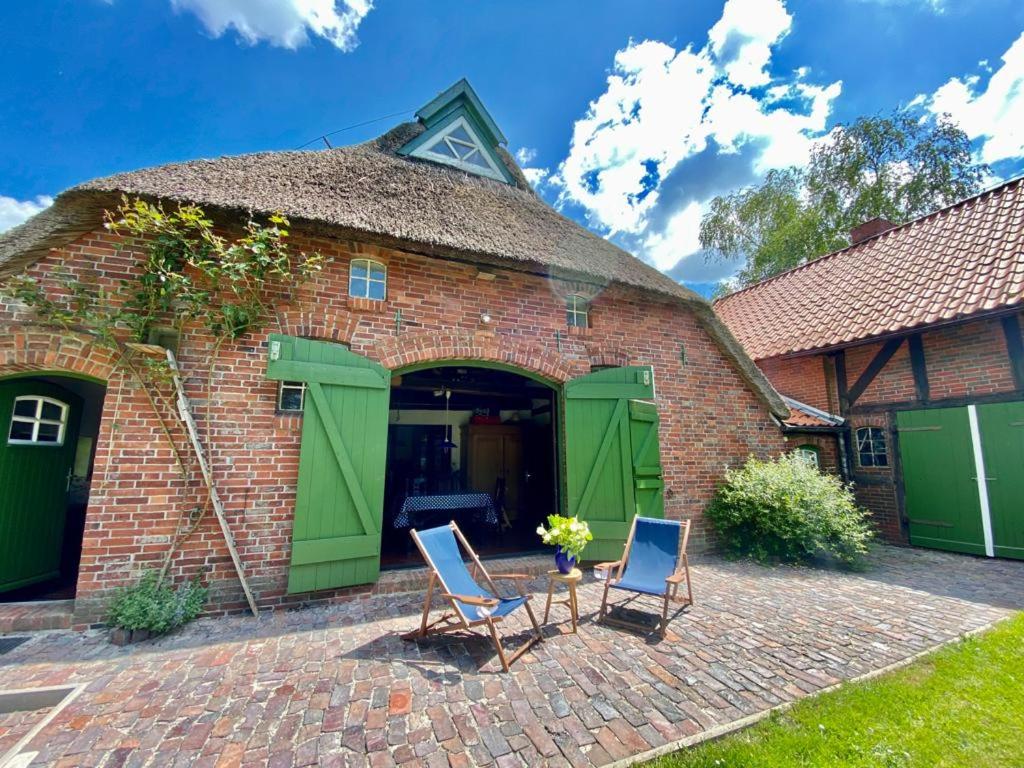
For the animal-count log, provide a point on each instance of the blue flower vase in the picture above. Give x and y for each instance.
(564, 562)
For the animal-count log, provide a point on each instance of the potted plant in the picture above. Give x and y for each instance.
(569, 535)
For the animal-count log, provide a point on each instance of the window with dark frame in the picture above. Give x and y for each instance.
(871, 447)
(291, 396)
(577, 312)
(367, 279)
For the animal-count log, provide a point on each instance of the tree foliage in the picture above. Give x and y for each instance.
(896, 167)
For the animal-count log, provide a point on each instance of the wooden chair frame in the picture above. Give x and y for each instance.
(455, 620)
(681, 574)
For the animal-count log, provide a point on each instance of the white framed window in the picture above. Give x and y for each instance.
(367, 279)
(459, 146)
(577, 312)
(871, 447)
(809, 454)
(37, 420)
(291, 396)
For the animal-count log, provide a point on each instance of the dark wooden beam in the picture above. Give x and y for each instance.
(839, 359)
(883, 356)
(918, 366)
(1015, 348)
(945, 402)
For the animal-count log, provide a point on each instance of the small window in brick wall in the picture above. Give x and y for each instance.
(290, 396)
(367, 280)
(871, 448)
(37, 421)
(577, 312)
(808, 453)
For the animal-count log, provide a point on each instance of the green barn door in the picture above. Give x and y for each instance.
(340, 495)
(1002, 441)
(38, 437)
(604, 446)
(939, 480)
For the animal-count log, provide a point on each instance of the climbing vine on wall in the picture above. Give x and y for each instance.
(191, 276)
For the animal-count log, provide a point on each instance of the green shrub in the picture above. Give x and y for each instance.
(787, 510)
(157, 608)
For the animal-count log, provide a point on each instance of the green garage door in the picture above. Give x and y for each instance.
(612, 455)
(963, 477)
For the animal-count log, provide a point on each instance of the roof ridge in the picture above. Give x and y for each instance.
(998, 188)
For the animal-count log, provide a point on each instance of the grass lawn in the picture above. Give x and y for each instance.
(962, 706)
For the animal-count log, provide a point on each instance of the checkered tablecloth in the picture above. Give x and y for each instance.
(415, 508)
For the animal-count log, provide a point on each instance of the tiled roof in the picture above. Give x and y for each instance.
(803, 415)
(958, 261)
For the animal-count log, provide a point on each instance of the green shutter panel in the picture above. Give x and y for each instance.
(340, 495)
(939, 481)
(610, 464)
(1002, 442)
(33, 491)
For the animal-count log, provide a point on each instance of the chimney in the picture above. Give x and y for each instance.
(870, 228)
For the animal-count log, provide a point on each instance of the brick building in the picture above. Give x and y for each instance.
(466, 345)
(911, 337)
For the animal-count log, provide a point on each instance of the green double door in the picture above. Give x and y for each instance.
(963, 478)
(611, 454)
(39, 422)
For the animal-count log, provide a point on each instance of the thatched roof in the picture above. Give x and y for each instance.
(371, 193)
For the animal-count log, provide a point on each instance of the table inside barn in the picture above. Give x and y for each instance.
(440, 508)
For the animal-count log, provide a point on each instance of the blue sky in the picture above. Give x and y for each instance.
(628, 121)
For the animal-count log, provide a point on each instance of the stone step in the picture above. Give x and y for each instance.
(36, 616)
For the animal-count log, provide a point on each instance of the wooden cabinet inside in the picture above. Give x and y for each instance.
(494, 452)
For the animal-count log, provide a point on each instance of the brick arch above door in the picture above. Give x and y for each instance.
(27, 351)
(413, 349)
(318, 323)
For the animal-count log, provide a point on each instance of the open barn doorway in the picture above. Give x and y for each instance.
(472, 444)
(50, 424)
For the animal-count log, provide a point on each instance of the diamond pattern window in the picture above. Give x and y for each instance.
(459, 146)
(37, 420)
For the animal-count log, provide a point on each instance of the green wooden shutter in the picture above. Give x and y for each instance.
(939, 481)
(33, 491)
(1002, 441)
(340, 495)
(610, 460)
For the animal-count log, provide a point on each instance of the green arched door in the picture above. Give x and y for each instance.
(38, 437)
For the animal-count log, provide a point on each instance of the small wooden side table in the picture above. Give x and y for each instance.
(570, 579)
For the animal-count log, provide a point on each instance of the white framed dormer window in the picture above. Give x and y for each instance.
(460, 147)
(367, 279)
(37, 420)
(577, 312)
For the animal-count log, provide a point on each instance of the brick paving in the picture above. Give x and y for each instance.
(334, 684)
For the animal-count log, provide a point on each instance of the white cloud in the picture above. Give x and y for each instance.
(663, 107)
(283, 23)
(993, 113)
(526, 155)
(536, 176)
(13, 212)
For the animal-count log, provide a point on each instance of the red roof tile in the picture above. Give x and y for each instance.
(958, 261)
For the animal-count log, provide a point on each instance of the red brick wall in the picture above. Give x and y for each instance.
(963, 361)
(828, 450)
(710, 419)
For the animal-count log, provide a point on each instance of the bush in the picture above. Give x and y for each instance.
(787, 510)
(158, 608)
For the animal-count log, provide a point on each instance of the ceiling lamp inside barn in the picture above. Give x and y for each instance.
(460, 133)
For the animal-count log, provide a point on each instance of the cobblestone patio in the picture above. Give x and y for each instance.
(334, 685)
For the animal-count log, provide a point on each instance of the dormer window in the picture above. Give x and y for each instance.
(458, 145)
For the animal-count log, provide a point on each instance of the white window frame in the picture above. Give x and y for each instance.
(38, 419)
(810, 454)
(572, 309)
(370, 263)
(874, 454)
(491, 171)
(299, 385)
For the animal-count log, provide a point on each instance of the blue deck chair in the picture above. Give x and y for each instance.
(471, 604)
(653, 564)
